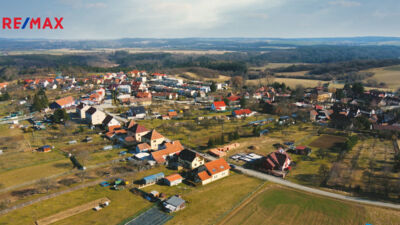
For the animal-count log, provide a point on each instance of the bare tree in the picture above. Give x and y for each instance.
(83, 156)
(46, 184)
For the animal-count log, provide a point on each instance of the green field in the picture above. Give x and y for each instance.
(283, 206)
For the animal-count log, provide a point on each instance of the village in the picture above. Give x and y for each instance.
(159, 137)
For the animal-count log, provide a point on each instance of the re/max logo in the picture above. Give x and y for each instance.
(16, 23)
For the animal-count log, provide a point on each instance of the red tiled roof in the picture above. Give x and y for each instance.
(65, 101)
(153, 135)
(171, 148)
(219, 104)
(172, 114)
(173, 177)
(137, 128)
(131, 123)
(112, 128)
(130, 139)
(143, 146)
(233, 98)
(242, 111)
(204, 175)
(217, 166)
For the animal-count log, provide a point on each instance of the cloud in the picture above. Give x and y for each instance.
(96, 5)
(199, 14)
(77, 4)
(345, 3)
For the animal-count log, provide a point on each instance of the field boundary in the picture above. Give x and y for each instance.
(71, 212)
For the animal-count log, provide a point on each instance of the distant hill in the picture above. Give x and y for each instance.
(233, 44)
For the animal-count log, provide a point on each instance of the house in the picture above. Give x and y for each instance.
(138, 131)
(173, 179)
(154, 139)
(94, 116)
(3, 85)
(137, 112)
(63, 103)
(190, 159)
(110, 121)
(153, 178)
(213, 171)
(276, 163)
(218, 106)
(172, 114)
(124, 89)
(44, 148)
(173, 204)
(81, 110)
(170, 149)
(302, 150)
(242, 113)
(142, 147)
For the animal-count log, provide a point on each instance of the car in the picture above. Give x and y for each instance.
(105, 184)
(123, 153)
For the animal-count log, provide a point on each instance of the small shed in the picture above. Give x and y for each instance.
(45, 148)
(173, 179)
(153, 178)
(174, 203)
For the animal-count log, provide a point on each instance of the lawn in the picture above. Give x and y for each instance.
(327, 141)
(284, 206)
(208, 204)
(389, 75)
(123, 204)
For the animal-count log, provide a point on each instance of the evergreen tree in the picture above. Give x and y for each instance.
(243, 103)
(236, 135)
(213, 87)
(211, 142)
(40, 100)
(60, 116)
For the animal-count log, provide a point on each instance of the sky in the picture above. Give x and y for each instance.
(113, 19)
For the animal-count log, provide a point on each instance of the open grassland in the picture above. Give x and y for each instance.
(196, 134)
(291, 82)
(194, 76)
(274, 206)
(123, 204)
(389, 75)
(327, 141)
(275, 66)
(208, 204)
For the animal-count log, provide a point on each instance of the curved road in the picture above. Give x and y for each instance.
(286, 183)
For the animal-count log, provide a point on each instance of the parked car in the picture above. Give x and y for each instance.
(105, 184)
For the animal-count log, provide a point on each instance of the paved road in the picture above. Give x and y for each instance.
(286, 183)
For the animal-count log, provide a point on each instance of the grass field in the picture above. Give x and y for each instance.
(389, 75)
(327, 141)
(292, 82)
(283, 206)
(123, 204)
(220, 78)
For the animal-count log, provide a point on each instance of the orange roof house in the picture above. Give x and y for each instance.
(172, 114)
(213, 171)
(173, 179)
(63, 103)
(171, 148)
